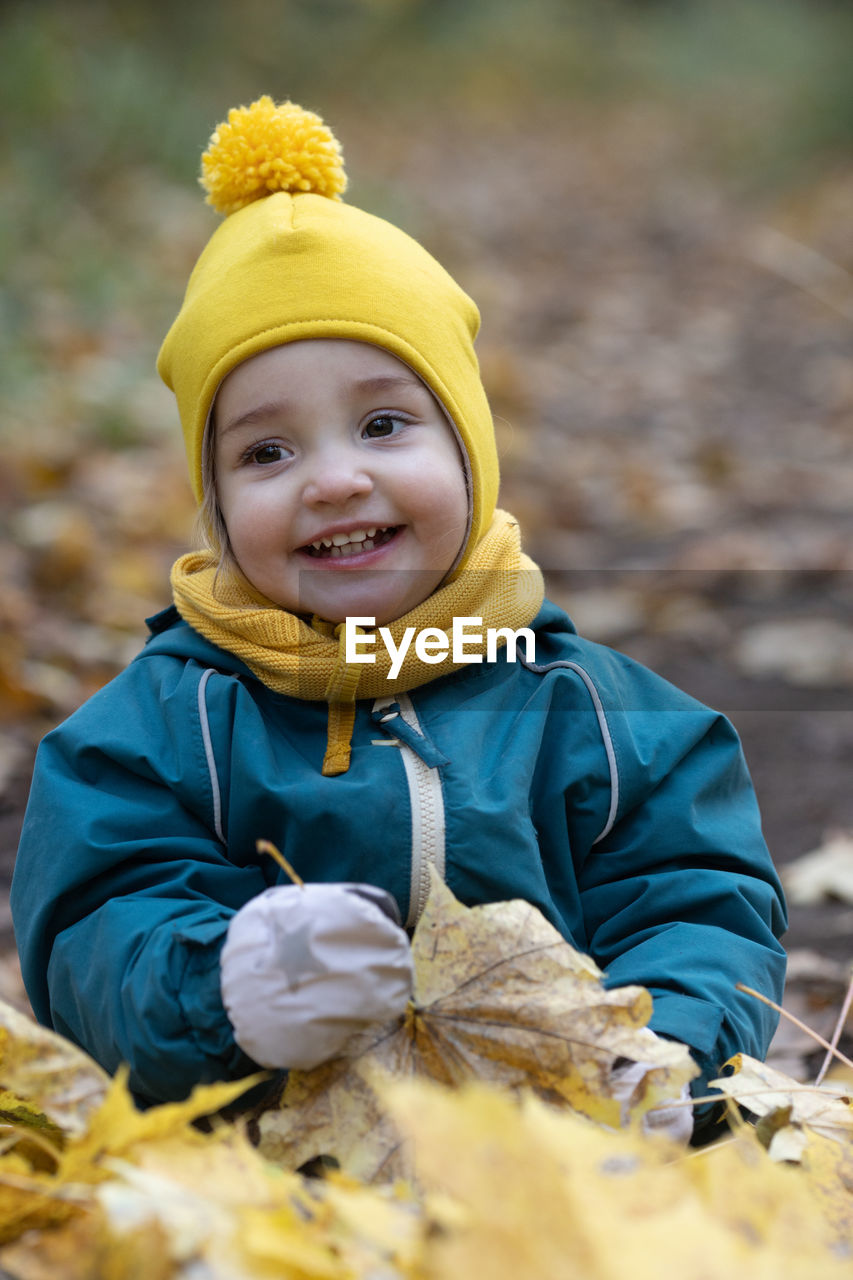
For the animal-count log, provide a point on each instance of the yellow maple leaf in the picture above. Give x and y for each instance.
(119, 1129)
(500, 996)
(218, 1203)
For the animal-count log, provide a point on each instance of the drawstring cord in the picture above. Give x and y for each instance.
(340, 695)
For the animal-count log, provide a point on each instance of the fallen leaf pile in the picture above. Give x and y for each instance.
(503, 1181)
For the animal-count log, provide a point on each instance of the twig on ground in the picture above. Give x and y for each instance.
(835, 1052)
(836, 1035)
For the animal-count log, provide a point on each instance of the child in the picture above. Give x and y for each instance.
(341, 446)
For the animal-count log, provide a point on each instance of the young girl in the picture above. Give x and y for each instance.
(341, 446)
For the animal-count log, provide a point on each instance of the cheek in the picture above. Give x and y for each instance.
(439, 497)
(445, 504)
(251, 526)
(246, 503)
(451, 496)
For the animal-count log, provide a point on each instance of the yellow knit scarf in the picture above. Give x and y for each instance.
(499, 584)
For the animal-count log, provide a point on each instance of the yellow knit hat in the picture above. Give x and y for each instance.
(292, 261)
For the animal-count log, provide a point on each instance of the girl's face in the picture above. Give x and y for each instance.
(339, 479)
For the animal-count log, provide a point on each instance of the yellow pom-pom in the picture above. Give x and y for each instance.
(270, 147)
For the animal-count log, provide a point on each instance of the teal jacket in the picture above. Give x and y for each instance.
(616, 804)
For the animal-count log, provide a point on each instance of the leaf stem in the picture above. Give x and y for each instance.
(267, 846)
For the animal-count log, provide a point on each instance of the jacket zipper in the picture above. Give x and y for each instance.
(427, 806)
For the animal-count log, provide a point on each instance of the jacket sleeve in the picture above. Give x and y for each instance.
(123, 892)
(681, 895)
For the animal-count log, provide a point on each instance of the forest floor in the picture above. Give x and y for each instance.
(670, 361)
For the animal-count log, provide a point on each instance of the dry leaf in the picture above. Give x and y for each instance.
(499, 996)
(803, 651)
(31, 1200)
(789, 1112)
(49, 1072)
(223, 1209)
(86, 1247)
(824, 873)
(515, 1191)
(828, 1165)
(508, 1187)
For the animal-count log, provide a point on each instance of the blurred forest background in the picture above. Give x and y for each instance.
(651, 201)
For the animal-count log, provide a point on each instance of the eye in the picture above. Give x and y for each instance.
(384, 424)
(264, 454)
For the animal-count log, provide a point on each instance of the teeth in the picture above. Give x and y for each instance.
(341, 539)
(360, 539)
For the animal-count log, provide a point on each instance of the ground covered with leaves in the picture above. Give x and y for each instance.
(480, 1132)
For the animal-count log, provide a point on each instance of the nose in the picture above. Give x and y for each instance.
(336, 476)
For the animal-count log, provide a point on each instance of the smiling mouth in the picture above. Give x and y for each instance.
(341, 546)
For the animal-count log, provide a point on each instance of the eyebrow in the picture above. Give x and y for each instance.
(380, 382)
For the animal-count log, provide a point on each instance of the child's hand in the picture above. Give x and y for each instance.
(675, 1120)
(305, 967)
